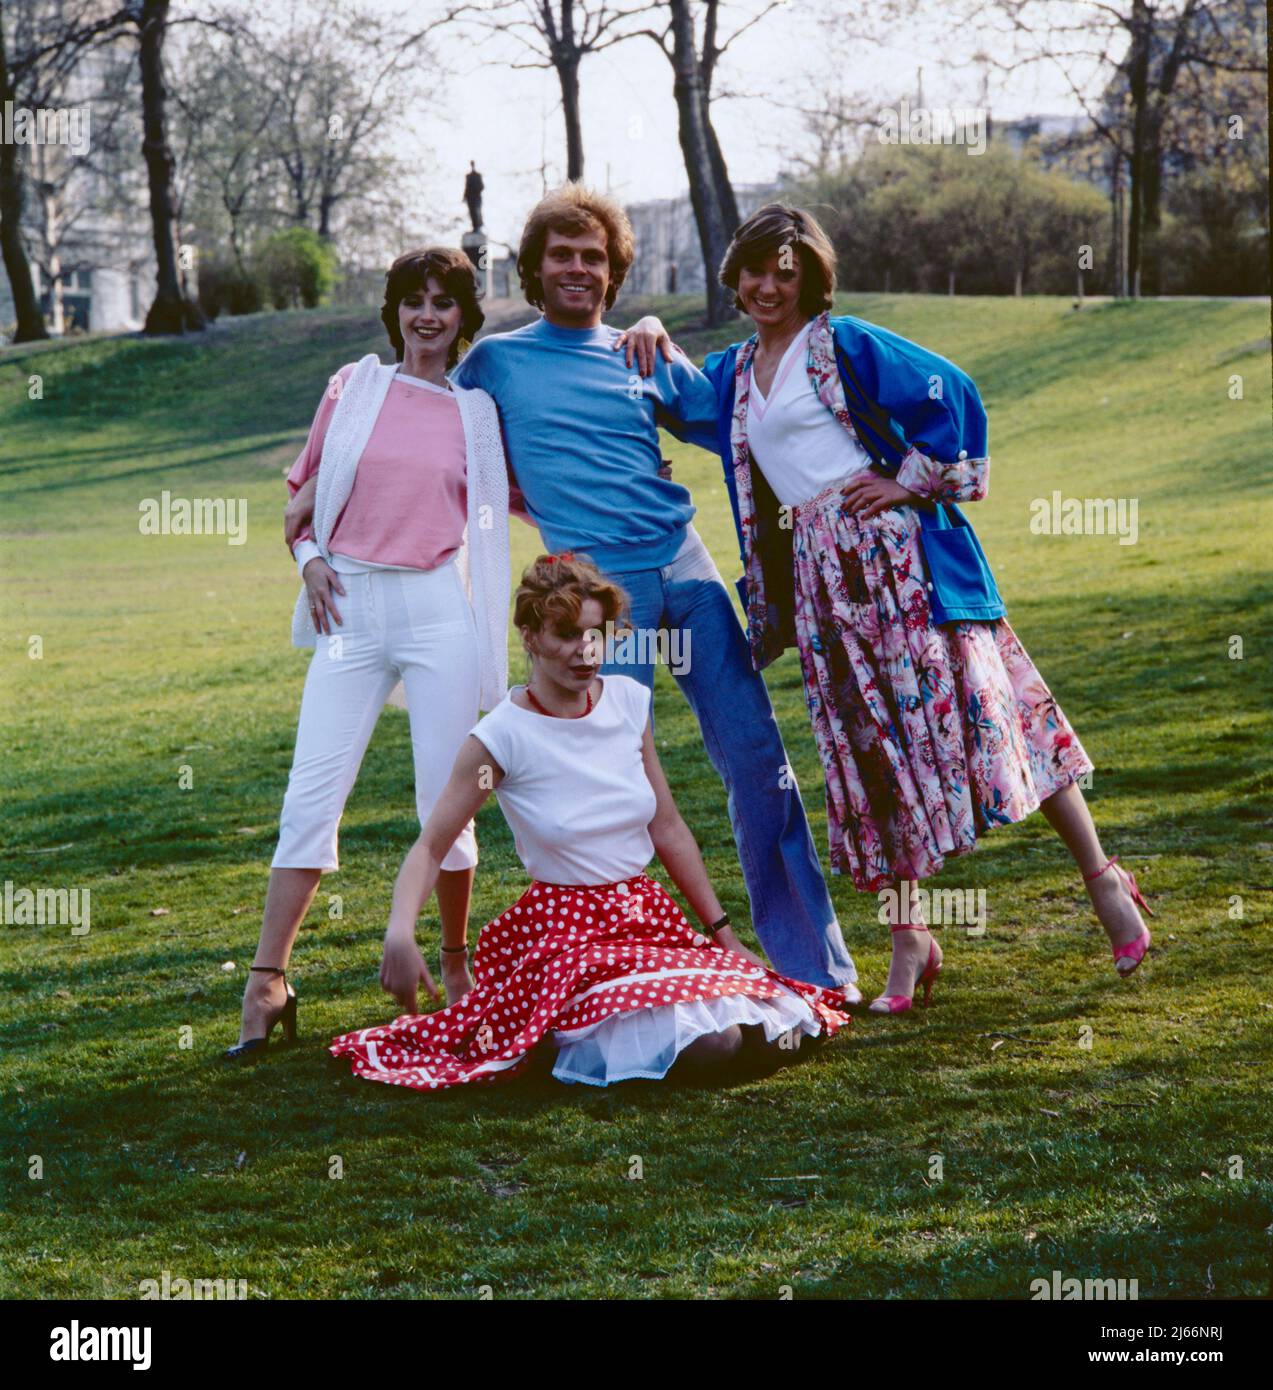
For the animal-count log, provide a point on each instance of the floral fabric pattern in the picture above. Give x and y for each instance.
(928, 736)
(962, 480)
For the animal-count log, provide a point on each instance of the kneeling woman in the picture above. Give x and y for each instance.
(595, 958)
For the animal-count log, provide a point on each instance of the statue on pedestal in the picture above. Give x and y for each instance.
(473, 195)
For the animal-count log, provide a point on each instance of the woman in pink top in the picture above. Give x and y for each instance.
(406, 586)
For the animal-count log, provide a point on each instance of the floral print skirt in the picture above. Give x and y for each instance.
(928, 735)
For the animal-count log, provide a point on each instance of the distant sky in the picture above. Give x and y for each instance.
(510, 121)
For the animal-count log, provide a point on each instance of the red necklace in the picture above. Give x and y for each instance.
(530, 696)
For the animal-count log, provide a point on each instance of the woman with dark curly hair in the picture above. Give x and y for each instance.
(405, 597)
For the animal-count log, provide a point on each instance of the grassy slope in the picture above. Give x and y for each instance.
(161, 652)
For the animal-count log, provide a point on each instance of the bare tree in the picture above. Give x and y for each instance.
(173, 311)
(837, 124)
(82, 198)
(46, 46)
(559, 34)
(12, 204)
(1149, 44)
(340, 82)
(224, 111)
(694, 51)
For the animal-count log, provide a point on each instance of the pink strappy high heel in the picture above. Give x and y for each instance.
(899, 1003)
(1132, 952)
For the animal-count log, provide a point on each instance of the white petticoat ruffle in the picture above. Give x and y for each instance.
(645, 1042)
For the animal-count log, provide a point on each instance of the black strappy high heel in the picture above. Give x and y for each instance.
(255, 1046)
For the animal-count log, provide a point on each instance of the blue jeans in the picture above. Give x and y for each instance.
(790, 907)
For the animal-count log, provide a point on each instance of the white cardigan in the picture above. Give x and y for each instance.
(483, 555)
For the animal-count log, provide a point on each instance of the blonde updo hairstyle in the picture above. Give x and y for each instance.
(554, 589)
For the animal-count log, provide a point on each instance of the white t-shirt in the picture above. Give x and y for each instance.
(575, 791)
(797, 443)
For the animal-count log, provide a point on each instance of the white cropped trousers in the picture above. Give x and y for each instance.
(413, 625)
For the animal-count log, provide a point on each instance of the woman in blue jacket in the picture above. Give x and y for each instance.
(845, 447)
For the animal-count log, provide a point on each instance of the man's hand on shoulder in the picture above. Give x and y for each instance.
(644, 341)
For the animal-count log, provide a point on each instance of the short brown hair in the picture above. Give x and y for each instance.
(554, 589)
(571, 210)
(771, 228)
(454, 272)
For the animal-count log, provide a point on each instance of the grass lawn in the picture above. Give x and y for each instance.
(1101, 1128)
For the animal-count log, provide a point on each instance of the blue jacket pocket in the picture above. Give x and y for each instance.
(961, 587)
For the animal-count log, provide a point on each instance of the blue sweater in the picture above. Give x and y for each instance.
(581, 431)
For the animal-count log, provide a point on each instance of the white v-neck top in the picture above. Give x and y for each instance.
(575, 793)
(797, 443)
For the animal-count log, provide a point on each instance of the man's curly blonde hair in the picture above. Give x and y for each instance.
(571, 210)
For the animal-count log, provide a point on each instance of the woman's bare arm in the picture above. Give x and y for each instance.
(678, 852)
(474, 776)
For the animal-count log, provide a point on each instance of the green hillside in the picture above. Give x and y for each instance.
(159, 653)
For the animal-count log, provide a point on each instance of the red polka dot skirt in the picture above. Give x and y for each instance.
(561, 958)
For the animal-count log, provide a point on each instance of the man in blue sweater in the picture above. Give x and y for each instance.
(581, 433)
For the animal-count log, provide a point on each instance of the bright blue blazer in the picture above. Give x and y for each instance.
(886, 389)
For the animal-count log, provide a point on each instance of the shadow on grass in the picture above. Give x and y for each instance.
(93, 480)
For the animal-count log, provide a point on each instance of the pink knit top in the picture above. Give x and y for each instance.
(408, 505)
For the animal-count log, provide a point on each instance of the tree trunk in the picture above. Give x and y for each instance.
(720, 174)
(171, 312)
(1138, 89)
(25, 303)
(716, 218)
(1151, 209)
(1115, 222)
(568, 76)
(51, 242)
